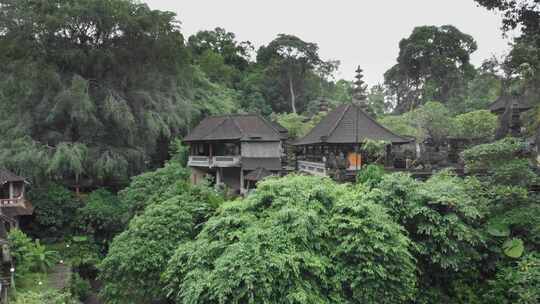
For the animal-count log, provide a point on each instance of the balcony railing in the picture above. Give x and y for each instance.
(313, 168)
(12, 202)
(199, 161)
(226, 161)
(216, 161)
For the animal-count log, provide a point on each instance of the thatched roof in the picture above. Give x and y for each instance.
(348, 124)
(243, 127)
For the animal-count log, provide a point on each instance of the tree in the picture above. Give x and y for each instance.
(297, 125)
(434, 119)
(377, 101)
(55, 208)
(153, 186)
(288, 59)
(298, 240)
(88, 74)
(224, 44)
(433, 64)
(132, 268)
(476, 124)
(523, 59)
(102, 216)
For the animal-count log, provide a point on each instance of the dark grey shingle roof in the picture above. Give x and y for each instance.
(245, 127)
(7, 177)
(339, 126)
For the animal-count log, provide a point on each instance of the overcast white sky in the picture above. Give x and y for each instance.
(358, 32)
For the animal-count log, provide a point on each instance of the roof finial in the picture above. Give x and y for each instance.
(360, 90)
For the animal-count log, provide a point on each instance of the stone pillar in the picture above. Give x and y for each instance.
(10, 190)
(242, 190)
(218, 177)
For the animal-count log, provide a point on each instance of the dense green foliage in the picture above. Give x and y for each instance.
(475, 124)
(95, 95)
(433, 64)
(131, 271)
(91, 92)
(55, 208)
(293, 241)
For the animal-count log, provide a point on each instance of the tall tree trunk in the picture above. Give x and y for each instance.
(293, 96)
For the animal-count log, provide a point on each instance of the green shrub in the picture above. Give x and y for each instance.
(443, 218)
(137, 257)
(295, 240)
(518, 283)
(476, 124)
(30, 255)
(45, 297)
(150, 187)
(55, 209)
(505, 161)
(102, 216)
(79, 287)
(370, 175)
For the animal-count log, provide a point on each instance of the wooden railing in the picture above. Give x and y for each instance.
(226, 161)
(216, 161)
(199, 161)
(12, 202)
(313, 168)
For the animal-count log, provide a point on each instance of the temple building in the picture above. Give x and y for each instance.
(226, 149)
(334, 145)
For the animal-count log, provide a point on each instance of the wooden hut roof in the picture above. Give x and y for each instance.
(349, 124)
(9, 177)
(243, 127)
(258, 174)
(520, 102)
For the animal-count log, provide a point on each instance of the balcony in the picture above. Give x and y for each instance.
(313, 168)
(216, 161)
(12, 202)
(199, 161)
(226, 161)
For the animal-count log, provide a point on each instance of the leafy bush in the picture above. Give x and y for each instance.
(518, 283)
(55, 209)
(297, 240)
(79, 287)
(102, 216)
(443, 219)
(20, 244)
(476, 124)
(30, 258)
(137, 257)
(375, 149)
(45, 297)
(504, 160)
(83, 254)
(370, 175)
(149, 187)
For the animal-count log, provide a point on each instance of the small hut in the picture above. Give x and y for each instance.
(13, 202)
